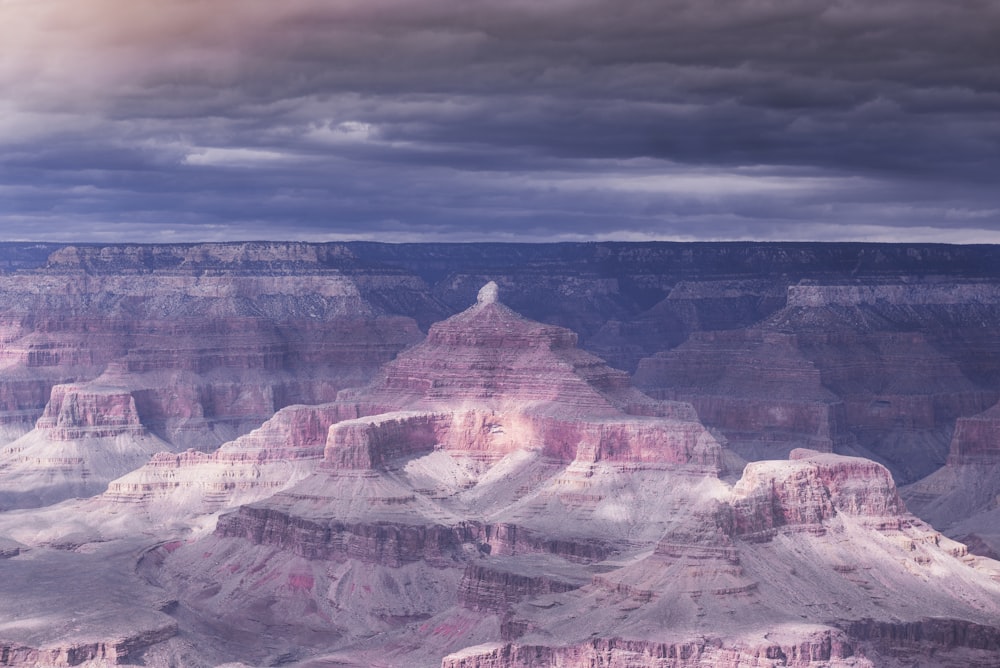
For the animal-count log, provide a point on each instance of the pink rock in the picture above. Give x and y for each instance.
(88, 411)
(808, 490)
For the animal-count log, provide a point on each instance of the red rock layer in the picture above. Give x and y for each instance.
(809, 490)
(825, 650)
(492, 589)
(394, 544)
(369, 443)
(386, 544)
(259, 461)
(82, 411)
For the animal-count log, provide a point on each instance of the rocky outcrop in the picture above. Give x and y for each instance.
(104, 652)
(9, 548)
(961, 497)
(496, 589)
(929, 631)
(862, 643)
(976, 439)
(394, 544)
(89, 411)
(283, 450)
(87, 436)
(373, 442)
(385, 544)
(807, 491)
(490, 355)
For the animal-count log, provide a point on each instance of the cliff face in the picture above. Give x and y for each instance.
(828, 650)
(177, 485)
(76, 411)
(881, 370)
(808, 490)
(87, 436)
(210, 340)
(961, 497)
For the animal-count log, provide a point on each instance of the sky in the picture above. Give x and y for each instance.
(500, 120)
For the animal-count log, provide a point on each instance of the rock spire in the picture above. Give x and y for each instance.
(488, 294)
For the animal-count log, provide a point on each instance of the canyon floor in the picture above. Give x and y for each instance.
(489, 455)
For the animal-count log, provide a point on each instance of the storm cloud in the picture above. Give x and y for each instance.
(397, 120)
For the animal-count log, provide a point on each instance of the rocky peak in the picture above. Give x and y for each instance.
(491, 355)
(488, 294)
(491, 324)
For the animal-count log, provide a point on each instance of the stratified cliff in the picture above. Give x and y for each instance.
(880, 369)
(210, 340)
(960, 498)
(87, 436)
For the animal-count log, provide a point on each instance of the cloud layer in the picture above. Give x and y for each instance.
(466, 119)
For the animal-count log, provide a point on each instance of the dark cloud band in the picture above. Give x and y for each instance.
(473, 119)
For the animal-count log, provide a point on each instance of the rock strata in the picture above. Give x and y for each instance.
(879, 370)
(87, 436)
(808, 490)
(961, 497)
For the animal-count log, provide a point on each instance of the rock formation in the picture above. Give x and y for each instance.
(961, 497)
(329, 491)
(857, 369)
(210, 340)
(88, 435)
(790, 569)
(503, 499)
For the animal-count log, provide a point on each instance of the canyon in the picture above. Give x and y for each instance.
(485, 455)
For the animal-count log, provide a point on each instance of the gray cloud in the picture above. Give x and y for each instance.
(468, 119)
